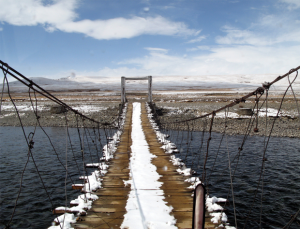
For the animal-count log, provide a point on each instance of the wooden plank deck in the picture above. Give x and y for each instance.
(108, 211)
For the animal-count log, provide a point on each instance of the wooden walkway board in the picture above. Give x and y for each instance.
(174, 186)
(176, 193)
(109, 210)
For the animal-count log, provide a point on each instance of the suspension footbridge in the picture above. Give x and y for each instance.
(109, 211)
(142, 180)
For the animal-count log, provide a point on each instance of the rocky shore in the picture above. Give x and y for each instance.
(283, 126)
(170, 109)
(50, 115)
(286, 125)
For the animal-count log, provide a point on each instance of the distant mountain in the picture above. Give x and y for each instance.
(45, 81)
(63, 84)
(160, 83)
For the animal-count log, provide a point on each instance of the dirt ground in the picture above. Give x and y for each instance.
(173, 106)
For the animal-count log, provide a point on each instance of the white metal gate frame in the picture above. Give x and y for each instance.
(123, 91)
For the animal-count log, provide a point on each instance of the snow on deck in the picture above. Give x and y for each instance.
(150, 201)
(145, 206)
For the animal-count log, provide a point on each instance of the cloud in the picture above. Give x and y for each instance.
(61, 15)
(192, 49)
(198, 39)
(118, 28)
(201, 47)
(221, 60)
(267, 31)
(292, 4)
(33, 12)
(237, 36)
(1, 29)
(156, 50)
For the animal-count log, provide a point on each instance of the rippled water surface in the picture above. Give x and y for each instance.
(281, 176)
(280, 200)
(34, 209)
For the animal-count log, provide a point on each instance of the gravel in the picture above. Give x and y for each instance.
(171, 108)
(104, 113)
(286, 125)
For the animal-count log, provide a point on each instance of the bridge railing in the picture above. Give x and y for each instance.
(213, 155)
(72, 153)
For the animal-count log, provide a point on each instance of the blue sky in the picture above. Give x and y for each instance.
(60, 38)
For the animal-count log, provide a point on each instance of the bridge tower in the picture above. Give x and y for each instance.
(123, 90)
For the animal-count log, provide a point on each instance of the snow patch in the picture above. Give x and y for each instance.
(64, 221)
(168, 146)
(218, 216)
(84, 201)
(145, 207)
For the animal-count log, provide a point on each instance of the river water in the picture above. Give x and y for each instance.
(34, 209)
(281, 175)
(281, 196)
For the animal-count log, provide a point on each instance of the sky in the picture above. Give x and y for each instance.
(61, 38)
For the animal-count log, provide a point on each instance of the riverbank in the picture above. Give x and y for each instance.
(104, 108)
(287, 124)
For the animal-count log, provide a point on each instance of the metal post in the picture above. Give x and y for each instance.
(123, 96)
(199, 207)
(149, 89)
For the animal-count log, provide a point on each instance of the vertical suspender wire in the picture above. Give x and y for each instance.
(262, 184)
(240, 149)
(229, 164)
(29, 154)
(33, 160)
(107, 143)
(2, 92)
(187, 143)
(88, 144)
(66, 196)
(70, 142)
(192, 144)
(35, 109)
(176, 129)
(82, 151)
(265, 149)
(257, 111)
(293, 95)
(190, 141)
(223, 134)
(292, 220)
(94, 140)
(181, 142)
(207, 147)
(201, 145)
(99, 139)
(90, 137)
(38, 121)
(83, 158)
(84, 133)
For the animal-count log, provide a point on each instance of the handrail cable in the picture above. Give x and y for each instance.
(259, 90)
(43, 92)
